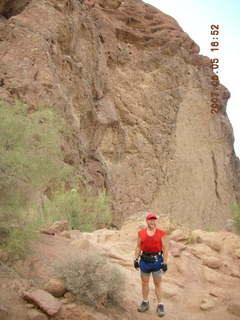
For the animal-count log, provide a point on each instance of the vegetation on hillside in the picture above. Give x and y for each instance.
(236, 216)
(31, 160)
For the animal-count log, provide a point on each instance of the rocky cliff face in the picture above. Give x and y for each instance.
(136, 92)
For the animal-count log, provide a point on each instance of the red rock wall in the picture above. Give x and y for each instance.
(136, 92)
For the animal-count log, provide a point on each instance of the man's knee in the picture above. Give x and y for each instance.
(157, 282)
(145, 281)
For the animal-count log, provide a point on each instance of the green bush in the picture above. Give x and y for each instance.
(30, 160)
(84, 211)
(236, 216)
(17, 241)
(30, 152)
(91, 279)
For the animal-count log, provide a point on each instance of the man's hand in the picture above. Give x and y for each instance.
(136, 264)
(164, 267)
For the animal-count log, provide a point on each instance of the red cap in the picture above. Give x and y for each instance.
(151, 216)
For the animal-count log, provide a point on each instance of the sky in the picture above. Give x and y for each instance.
(195, 18)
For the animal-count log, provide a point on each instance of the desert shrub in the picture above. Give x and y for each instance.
(30, 159)
(17, 241)
(84, 211)
(31, 156)
(236, 216)
(91, 279)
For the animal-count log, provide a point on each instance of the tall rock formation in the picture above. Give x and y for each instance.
(137, 94)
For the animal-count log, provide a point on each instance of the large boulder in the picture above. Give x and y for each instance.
(43, 300)
(56, 287)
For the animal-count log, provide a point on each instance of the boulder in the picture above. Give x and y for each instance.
(69, 297)
(200, 236)
(200, 250)
(43, 300)
(214, 244)
(56, 227)
(56, 287)
(212, 262)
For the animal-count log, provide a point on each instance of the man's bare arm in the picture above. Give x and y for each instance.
(138, 248)
(165, 241)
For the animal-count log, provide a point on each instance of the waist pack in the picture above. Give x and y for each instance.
(151, 257)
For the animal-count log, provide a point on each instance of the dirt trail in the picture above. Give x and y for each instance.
(188, 284)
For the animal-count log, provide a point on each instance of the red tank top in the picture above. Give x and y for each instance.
(151, 243)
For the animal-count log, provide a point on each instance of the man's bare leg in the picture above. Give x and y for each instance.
(145, 291)
(158, 288)
(145, 287)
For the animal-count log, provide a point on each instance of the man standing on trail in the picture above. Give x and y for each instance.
(152, 248)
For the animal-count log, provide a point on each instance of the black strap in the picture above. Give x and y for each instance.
(152, 253)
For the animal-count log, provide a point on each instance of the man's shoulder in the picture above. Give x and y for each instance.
(163, 232)
(141, 231)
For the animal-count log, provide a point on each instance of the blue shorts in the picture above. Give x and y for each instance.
(154, 267)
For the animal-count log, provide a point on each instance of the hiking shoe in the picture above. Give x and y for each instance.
(160, 310)
(144, 306)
